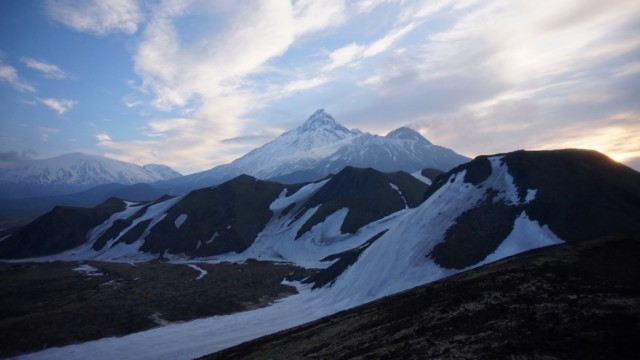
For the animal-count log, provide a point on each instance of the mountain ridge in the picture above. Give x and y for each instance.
(75, 172)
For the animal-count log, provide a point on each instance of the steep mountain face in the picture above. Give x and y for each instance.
(163, 172)
(321, 146)
(75, 172)
(231, 217)
(401, 150)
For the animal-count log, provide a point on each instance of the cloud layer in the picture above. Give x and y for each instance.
(97, 16)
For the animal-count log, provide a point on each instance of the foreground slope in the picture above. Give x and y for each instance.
(570, 301)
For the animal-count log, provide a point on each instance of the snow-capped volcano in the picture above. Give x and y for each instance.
(322, 146)
(75, 172)
(315, 139)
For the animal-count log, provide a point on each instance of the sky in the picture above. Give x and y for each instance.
(194, 84)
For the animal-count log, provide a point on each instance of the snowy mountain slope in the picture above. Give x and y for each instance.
(321, 146)
(461, 225)
(162, 172)
(401, 150)
(75, 172)
(295, 150)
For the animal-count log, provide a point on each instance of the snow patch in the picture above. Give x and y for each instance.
(213, 237)
(418, 175)
(527, 234)
(394, 187)
(180, 220)
(202, 271)
(88, 270)
(158, 320)
(531, 195)
(283, 200)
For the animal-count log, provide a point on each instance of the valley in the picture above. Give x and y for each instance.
(54, 304)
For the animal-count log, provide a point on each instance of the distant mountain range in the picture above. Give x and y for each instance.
(321, 146)
(75, 172)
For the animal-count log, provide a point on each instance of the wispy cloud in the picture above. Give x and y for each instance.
(61, 106)
(45, 133)
(103, 137)
(97, 16)
(50, 71)
(9, 75)
(352, 53)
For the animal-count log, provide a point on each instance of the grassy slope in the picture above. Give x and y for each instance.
(571, 301)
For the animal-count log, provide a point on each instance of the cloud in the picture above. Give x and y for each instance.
(49, 70)
(103, 137)
(633, 163)
(313, 15)
(615, 136)
(365, 6)
(12, 158)
(352, 53)
(9, 75)
(96, 16)
(45, 133)
(61, 106)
